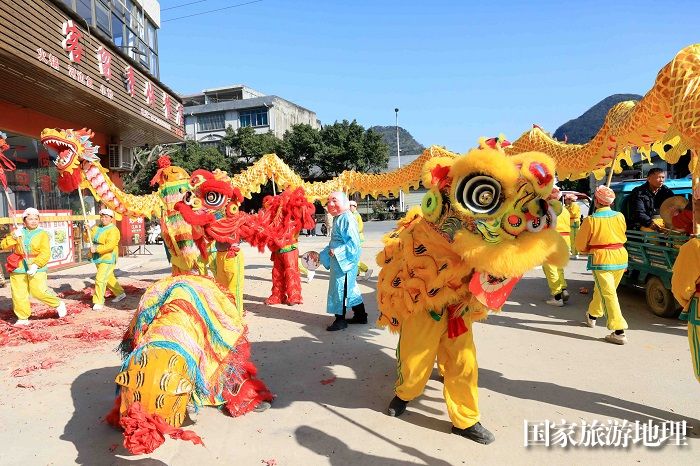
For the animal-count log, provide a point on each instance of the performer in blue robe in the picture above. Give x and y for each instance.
(341, 257)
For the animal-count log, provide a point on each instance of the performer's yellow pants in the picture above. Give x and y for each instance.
(422, 339)
(555, 276)
(572, 245)
(694, 336)
(229, 274)
(22, 286)
(105, 279)
(605, 298)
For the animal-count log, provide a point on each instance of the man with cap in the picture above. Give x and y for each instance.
(602, 237)
(361, 266)
(27, 267)
(104, 248)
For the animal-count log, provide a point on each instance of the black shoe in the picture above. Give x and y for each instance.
(396, 407)
(477, 433)
(338, 324)
(358, 318)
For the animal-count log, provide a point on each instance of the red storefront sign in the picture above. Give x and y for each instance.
(133, 231)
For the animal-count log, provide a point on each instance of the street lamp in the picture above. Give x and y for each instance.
(398, 156)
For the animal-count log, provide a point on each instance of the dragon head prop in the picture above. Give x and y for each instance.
(483, 223)
(68, 148)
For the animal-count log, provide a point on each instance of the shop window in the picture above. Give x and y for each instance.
(102, 17)
(117, 31)
(211, 121)
(254, 117)
(84, 9)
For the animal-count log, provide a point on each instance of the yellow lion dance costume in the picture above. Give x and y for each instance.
(484, 222)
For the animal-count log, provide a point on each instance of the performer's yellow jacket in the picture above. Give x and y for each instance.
(106, 242)
(574, 214)
(602, 235)
(360, 226)
(563, 224)
(35, 247)
(686, 272)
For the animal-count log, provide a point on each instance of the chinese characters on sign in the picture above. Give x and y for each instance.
(48, 58)
(149, 93)
(620, 434)
(71, 43)
(166, 105)
(104, 62)
(130, 81)
(45, 183)
(22, 180)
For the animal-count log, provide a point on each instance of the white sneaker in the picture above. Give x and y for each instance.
(555, 302)
(310, 275)
(590, 322)
(21, 322)
(565, 295)
(368, 274)
(120, 297)
(579, 257)
(97, 307)
(617, 339)
(61, 309)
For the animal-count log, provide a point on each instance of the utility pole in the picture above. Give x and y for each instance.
(398, 156)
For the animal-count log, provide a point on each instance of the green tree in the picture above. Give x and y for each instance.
(191, 155)
(248, 146)
(348, 146)
(301, 147)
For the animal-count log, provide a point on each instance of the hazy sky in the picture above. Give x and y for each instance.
(457, 70)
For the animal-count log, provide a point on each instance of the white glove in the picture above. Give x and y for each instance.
(17, 232)
(32, 270)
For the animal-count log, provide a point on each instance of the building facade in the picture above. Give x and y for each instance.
(57, 72)
(209, 113)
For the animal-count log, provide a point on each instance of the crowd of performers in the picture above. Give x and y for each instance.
(435, 326)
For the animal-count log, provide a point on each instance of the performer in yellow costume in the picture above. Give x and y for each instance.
(602, 236)
(574, 220)
(555, 275)
(685, 284)
(228, 271)
(27, 267)
(361, 266)
(451, 261)
(105, 250)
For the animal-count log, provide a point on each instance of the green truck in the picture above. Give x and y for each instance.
(651, 255)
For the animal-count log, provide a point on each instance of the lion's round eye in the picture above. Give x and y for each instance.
(480, 194)
(214, 199)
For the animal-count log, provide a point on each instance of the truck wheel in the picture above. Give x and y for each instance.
(660, 299)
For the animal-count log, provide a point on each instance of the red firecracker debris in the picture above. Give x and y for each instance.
(328, 381)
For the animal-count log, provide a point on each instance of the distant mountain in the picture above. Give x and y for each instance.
(582, 129)
(409, 146)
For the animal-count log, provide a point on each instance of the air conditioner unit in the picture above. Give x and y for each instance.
(119, 158)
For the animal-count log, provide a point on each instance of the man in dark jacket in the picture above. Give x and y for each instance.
(646, 199)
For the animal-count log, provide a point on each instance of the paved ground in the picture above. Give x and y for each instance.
(536, 363)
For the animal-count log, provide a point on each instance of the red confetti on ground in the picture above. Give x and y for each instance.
(25, 385)
(111, 323)
(328, 381)
(270, 462)
(583, 290)
(113, 446)
(91, 336)
(46, 364)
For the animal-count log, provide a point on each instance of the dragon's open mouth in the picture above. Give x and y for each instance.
(62, 152)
